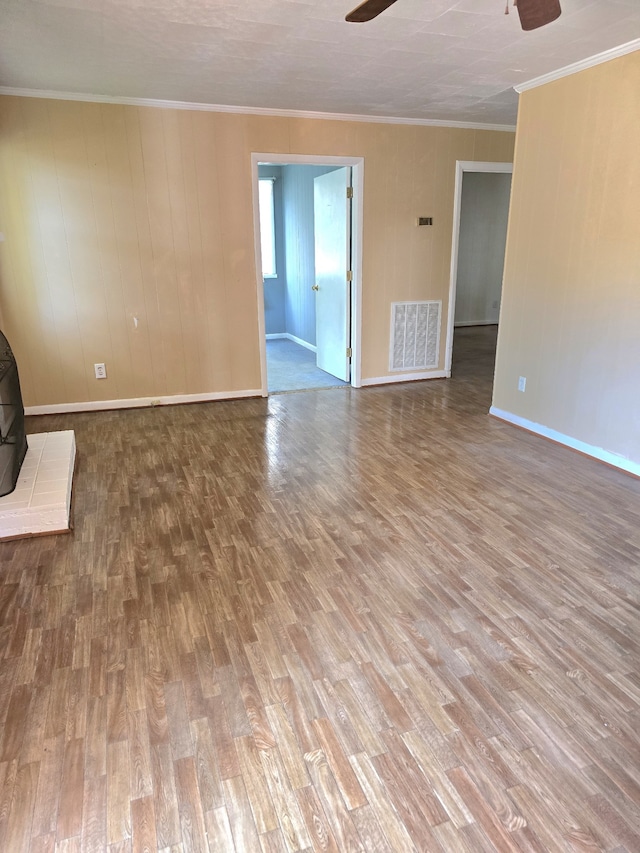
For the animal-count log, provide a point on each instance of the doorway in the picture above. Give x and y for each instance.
(481, 208)
(309, 309)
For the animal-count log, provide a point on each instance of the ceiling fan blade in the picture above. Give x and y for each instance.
(368, 10)
(537, 13)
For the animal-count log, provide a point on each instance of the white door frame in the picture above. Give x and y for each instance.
(357, 179)
(462, 166)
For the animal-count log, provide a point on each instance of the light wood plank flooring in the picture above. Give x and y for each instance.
(343, 620)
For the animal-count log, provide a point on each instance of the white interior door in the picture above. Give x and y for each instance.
(332, 212)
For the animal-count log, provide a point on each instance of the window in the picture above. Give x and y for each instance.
(267, 227)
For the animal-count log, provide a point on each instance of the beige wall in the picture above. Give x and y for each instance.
(114, 212)
(570, 318)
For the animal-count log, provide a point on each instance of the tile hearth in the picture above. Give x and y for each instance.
(41, 501)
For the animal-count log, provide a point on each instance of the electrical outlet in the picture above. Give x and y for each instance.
(522, 383)
(101, 371)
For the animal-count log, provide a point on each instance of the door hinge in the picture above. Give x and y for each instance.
(349, 275)
(349, 192)
(349, 352)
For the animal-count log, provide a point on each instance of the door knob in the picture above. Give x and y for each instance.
(314, 287)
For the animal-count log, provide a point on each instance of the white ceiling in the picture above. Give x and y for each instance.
(421, 59)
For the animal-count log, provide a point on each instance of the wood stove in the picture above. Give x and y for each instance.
(13, 439)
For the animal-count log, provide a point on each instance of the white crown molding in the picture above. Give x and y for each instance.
(255, 111)
(575, 67)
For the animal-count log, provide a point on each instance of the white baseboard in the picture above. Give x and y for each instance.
(406, 377)
(302, 343)
(288, 337)
(475, 323)
(613, 459)
(138, 402)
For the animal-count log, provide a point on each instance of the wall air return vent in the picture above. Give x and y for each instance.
(415, 335)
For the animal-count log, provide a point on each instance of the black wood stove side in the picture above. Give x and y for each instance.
(13, 439)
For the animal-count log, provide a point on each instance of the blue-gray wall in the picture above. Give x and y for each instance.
(275, 288)
(289, 302)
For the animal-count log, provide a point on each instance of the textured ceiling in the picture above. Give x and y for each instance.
(422, 59)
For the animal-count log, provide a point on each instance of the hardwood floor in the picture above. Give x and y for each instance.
(342, 620)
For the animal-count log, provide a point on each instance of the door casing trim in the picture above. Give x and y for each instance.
(462, 166)
(357, 220)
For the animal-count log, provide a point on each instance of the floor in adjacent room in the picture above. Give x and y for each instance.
(474, 354)
(374, 620)
(291, 367)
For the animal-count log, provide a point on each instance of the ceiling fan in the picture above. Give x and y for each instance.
(533, 13)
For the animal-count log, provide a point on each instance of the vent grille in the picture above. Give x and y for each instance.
(415, 335)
